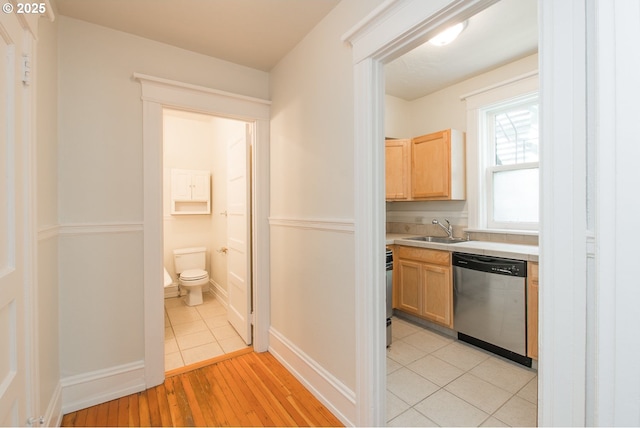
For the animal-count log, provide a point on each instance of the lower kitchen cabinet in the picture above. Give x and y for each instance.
(532, 311)
(424, 284)
(409, 284)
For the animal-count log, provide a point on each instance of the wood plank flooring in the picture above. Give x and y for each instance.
(250, 389)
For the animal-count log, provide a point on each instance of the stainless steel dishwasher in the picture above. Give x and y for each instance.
(389, 293)
(490, 304)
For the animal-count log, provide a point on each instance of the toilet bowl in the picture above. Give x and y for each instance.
(193, 281)
(190, 266)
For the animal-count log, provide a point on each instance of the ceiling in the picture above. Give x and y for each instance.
(500, 34)
(258, 33)
(253, 33)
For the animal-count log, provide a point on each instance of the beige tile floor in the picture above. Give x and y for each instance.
(435, 380)
(197, 333)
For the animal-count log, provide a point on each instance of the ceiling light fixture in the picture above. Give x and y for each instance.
(449, 35)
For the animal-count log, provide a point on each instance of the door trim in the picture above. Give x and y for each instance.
(158, 93)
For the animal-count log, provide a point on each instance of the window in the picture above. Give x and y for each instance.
(509, 136)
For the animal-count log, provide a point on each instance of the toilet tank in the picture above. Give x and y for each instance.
(190, 258)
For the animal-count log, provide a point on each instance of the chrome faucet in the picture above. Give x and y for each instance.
(448, 228)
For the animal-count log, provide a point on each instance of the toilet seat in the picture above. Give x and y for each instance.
(193, 274)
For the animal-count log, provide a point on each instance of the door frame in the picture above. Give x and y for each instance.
(158, 93)
(396, 27)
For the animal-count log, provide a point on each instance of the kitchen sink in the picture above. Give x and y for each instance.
(437, 239)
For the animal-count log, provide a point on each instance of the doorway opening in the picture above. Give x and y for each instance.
(158, 94)
(406, 26)
(206, 217)
(432, 89)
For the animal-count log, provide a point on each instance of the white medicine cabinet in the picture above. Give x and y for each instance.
(190, 192)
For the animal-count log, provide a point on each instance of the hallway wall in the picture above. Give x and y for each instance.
(312, 230)
(100, 195)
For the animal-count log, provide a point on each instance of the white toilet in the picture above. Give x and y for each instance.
(190, 266)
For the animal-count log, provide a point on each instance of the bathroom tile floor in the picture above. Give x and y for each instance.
(435, 380)
(196, 333)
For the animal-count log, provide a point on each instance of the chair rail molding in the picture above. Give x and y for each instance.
(323, 224)
(98, 228)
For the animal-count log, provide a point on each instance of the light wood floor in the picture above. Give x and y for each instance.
(250, 389)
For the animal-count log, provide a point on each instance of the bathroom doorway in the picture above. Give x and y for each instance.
(158, 93)
(210, 157)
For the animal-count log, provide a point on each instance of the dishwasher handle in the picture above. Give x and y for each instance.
(494, 265)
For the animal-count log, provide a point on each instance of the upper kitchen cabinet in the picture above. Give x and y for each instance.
(438, 166)
(398, 170)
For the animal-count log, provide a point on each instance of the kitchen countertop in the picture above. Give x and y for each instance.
(485, 248)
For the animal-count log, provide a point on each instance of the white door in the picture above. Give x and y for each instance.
(13, 356)
(238, 236)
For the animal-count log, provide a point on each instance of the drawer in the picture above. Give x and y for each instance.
(423, 255)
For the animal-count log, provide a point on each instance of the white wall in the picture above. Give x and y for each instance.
(100, 184)
(444, 109)
(312, 193)
(397, 115)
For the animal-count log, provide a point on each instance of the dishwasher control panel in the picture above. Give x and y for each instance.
(496, 265)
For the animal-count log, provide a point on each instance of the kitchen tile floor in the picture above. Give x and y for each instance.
(435, 380)
(196, 333)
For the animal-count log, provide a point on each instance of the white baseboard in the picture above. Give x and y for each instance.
(219, 292)
(171, 291)
(53, 415)
(88, 389)
(336, 396)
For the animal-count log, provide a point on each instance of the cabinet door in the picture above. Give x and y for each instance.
(180, 185)
(200, 186)
(410, 286)
(532, 311)
(431, 166)
(397, 169)
(437, 303)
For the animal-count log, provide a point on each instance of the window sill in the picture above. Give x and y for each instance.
(503, 231)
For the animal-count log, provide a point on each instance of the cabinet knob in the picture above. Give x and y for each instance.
(223, 250)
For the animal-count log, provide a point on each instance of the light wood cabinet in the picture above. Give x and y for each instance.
(429, 167)
(397, 170)
(438, 166)
(409, 286)
(532, 310)
(437, 300)
(424, 284)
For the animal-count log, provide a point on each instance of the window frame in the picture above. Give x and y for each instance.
(500, 93)
(488, 164)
